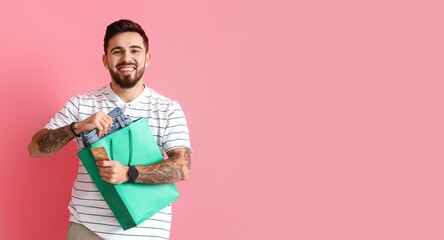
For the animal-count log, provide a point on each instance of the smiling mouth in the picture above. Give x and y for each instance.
(126, 69)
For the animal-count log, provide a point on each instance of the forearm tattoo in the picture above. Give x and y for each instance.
(54, 140)
(173, 169)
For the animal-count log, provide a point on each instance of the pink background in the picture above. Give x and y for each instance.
(308, 119)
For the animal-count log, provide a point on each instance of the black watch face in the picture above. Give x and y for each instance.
(133, 173)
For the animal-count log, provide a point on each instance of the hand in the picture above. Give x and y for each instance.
(100, 120)
(113, 171)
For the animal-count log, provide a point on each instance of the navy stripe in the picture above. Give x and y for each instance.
(96, 107)
(159, 220)
(65, 122)
(87, 114)
(153, 118)
(155, 103)
(100, 100)
(177, 139)
(174, 111)
(149, 110)
(83, 190)
(144, 116)
(178, 125)
(165, 213)
(163, 119)
(112, 216)
(176, 117)
(141, 109)
(131, 235)
(80, 205)
(72, 215)
(75, 117)
(90, 96)
(85, 181)
(177, 110)
(98, 215)
(103, 224)
(175, 133)
(118, 225)
(174, 147)
(101, 89)
(62, 114)
(88, 199)
(73, 103)
(159, 97)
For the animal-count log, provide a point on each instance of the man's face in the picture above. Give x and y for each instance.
(126, 59)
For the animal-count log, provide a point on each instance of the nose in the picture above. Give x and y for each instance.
(126, 56)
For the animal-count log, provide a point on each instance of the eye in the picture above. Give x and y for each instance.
(136, 51)
(116, 52)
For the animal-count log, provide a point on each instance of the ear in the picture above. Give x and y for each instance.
(148, 59)
(105, 61)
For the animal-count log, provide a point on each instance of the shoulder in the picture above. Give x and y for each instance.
(91, 95)
(155, 98)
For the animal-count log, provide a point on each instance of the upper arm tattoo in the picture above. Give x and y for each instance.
(53, 140)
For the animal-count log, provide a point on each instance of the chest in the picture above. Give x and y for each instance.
(155, 113)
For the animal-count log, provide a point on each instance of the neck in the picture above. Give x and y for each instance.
(128, 94)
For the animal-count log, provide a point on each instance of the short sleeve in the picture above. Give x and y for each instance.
(65, 116)
(176, 133)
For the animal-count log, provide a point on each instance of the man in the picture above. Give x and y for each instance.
(126, 57)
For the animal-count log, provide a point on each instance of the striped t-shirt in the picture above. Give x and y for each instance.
(169, 127)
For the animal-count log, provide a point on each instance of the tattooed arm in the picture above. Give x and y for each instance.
(47, 142)
(175, 168)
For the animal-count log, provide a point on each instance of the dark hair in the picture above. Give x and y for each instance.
(123, 25)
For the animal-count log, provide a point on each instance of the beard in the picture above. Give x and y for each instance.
(127, 81)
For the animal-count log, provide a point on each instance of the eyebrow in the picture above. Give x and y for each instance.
(136, 46)
(115, 48)
(120, 48)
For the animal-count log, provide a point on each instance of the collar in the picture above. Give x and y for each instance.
(113, 96)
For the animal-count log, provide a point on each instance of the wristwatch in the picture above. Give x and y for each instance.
(133, 173)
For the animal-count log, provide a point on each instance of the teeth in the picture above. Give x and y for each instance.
(127, 69)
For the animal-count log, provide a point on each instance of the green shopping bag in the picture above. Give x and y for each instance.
(131, 203)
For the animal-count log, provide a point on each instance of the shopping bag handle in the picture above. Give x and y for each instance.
(130, 141)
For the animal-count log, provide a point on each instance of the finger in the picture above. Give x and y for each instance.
(108, 122)
(106, 170)
(109, 119)
(104, 175)
(100, 163)
(104, 163)
(99, 130)
(110, 178)
(103, 172)
(108, 175)
(105, 125)
(106, 179)
(109, 172)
